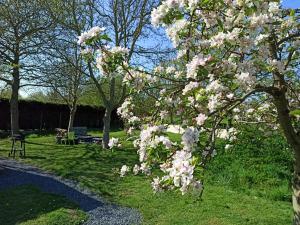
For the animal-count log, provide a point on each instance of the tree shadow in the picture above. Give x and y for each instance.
(14, 175)
(35, 157)
(41, 144)
(27, 202)
(11, 178)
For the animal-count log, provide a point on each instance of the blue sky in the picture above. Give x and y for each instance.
(285, 3)
(291, 3)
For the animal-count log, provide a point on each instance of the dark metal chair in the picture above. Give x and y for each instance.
(17, 138)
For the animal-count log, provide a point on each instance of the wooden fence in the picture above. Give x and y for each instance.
(47, 116)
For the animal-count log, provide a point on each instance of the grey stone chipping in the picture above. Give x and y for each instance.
(100, 212)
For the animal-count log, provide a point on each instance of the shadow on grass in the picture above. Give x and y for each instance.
(35, 157)
(41, 144)
(87, 164)
(11, 178)
(27, 202)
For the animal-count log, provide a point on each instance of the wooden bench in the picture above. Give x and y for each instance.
(81, 135)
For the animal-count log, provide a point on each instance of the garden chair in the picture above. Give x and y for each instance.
(15, 148)
(61, 136)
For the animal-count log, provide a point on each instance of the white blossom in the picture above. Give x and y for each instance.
(113, 142)
(192, 67)
(136, 169)
(189, 87)
(156, 184)
(93, 32)
(124, 170)
(215, 86)
(200, 119)
(145, 168)
(245, 79)
(189, 138)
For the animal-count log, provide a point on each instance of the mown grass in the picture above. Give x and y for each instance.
(258, 164)
(27, 205)
(222, 203)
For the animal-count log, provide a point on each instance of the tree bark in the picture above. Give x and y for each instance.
(106, 127)
(293, 139)
(296, 198)
(14, 103)
(73, 110)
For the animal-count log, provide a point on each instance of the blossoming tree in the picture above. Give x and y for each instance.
(128, 25)
(109, 63)
(241, 64)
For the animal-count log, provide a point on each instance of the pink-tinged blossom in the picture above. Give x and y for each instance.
(200, 119)
(181, 171)
(214, 102)
(145, 168)
(147, 139)
(219, 39)
(189, 87)
(237, 35)
(193, 66)
(125, 110)
(156, 185)
(163, 114)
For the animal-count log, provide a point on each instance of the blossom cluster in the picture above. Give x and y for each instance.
(113, 143)
(88, 35)
(109, 60)
(225, 59)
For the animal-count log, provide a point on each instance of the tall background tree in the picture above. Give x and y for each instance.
(128, 24)
(23, 25)
(63, 71)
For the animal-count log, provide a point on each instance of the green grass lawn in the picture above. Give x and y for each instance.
(97, 169)
(27, 205)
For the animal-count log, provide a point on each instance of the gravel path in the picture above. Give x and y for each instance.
(101, 212)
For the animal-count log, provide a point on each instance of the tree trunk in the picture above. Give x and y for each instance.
(293, 139)
(296, 198)
(71, 118)
(106, 127)
(14, 103)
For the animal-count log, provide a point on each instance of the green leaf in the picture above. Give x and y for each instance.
(105, 37)
(293, 12)
(220, 23)
(295, 112)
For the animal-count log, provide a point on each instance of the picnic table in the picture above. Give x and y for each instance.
(76, 136)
